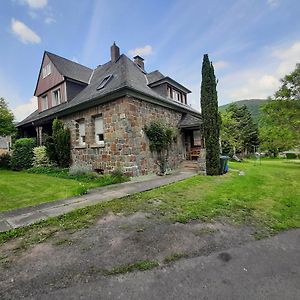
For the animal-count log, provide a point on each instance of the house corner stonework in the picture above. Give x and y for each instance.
(125, 145)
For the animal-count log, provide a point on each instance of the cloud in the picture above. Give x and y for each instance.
(288, 58)
(36, 4)
(143, 51)
(221, 64)
(23, 110)
(24, 33)
(264, 79)
(49, 20)
(273, 3)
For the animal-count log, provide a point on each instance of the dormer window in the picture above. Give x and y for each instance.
(104, 82)
(46, 70)
(56, 99)
(44, 102)
(176, 94)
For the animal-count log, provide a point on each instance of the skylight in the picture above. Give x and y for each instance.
(104, 82)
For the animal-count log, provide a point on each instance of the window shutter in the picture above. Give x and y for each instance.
(98, 125)
(81, 129)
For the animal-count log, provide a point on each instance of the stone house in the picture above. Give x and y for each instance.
(106, 109)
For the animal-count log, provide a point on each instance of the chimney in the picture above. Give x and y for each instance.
(114, 52)
(139, 61)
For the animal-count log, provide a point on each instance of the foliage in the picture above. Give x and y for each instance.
(280, 121)
(50, 149)
(91, 178)
(61, 138)
(79, 170)
(7, 126)
(253, 106)
(5, 161)
(40, 157)
(267, 197)
(290, 88)
(22, 155)
(160, 137)
(238, 131)
(81, 189)
(210, 117)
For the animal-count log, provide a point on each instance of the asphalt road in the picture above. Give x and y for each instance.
(266, 269)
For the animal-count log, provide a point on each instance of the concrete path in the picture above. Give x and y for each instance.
(28, 215)
(266, 269)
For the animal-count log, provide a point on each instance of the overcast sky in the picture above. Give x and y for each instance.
(252, 43)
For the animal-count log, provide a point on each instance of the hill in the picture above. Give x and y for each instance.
(252, 104)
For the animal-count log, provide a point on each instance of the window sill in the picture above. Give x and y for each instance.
(97, 145)
(80, 147)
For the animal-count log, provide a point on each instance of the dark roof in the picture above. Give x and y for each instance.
(70, 69)
(189, 121)
(126, 76)
(154, 76)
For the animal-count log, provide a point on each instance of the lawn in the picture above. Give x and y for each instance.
(21, 189)
(265, 195)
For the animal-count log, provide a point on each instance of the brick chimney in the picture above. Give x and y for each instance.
(139, 61)
(114, 52)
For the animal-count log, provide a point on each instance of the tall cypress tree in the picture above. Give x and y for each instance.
(210, 117)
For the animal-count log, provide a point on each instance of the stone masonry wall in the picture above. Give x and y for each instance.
(126, 145)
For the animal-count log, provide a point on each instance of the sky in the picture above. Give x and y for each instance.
(252, 43)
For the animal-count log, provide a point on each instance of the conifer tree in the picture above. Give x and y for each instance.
(210, 117)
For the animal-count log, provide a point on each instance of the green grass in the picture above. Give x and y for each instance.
(267, 196)
(173, 257)
(137, 266)
(21, 189)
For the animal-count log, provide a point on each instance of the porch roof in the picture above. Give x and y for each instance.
(189, 121)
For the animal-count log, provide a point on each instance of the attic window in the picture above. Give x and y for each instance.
(104, 82)
(46, 70)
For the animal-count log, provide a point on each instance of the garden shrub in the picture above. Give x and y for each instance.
(161, 137)
(5, 161)
(22, 155)
(40, 157)
(50, 149)
(81, 170)
(61, 138)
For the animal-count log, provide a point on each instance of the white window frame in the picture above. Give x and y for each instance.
(44, 102)
(54, 102)
(46, 70)
(99, 129)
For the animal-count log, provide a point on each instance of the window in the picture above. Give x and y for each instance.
(176, 95)
(56, 100)
(44, 102)
(197, 138)
(46, 70)
(80, 128)
(104, 82)
(169, 91)
(99, 131)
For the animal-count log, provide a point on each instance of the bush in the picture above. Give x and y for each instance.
(5, 161)
(161, 137)
(40, 157)
(22, 155)
(78, 170)
(50, 149)
(61, 139)
(291, 155)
